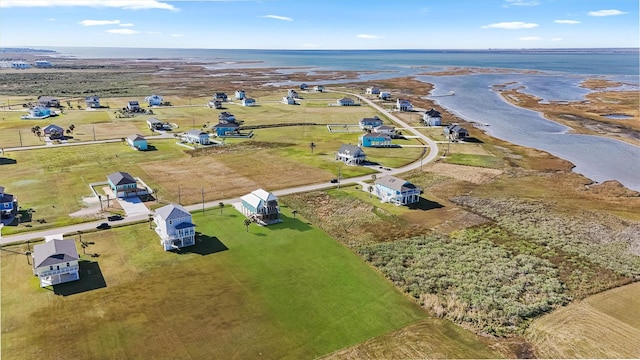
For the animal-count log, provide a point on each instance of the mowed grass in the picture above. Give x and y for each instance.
(606, 325)
(284, 291)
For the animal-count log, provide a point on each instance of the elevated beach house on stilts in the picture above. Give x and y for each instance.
(174, 226)
(350, 154)
(56, 262)
(261, 206)
(396, 191)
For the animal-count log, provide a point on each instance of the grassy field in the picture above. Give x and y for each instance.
(284, 291)
(606, 325)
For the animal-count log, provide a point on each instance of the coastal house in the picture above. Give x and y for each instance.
(37, 112)
(123, 185)
(53, 132)
(318, 88)
(403, 105)
(432, 118)
(384, 95)
(175, 227)
(372, 90)
(56, 262)
(133, 106)
(385, 129)
(240, 94)
(396, 191)
(48, 101)
(43, 64)
(345, 101)
(8, 204)
(137, 142)
(196, 136)
(261, 206)
(220, 96)
(226, 128)
(374, 139)
(304, 86)
(215, 104)
(350, 154)
(248, 102)
(288, 100)
(455, 132)
(154, 100)
(292, 93)
(226, 116)
(370, 123)
(92, 101)
(155, 124)
(20, 65)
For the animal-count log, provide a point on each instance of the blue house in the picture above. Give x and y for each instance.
(92, 101)
(370, 123)
(432, 118)
(225, 128)
(262, 207)
(220, 96)
(174, 226)
(240, 94)
(396, 191)
(124, 185)
(53, 132)
(304, 86)
(154, 100)
(248, 102)
(37, 112)
(375, 140)
(8, 204)
(137, 142)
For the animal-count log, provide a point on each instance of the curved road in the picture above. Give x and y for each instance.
(89, 226)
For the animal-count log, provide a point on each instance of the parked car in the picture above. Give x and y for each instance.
(115, 217)
(333, 181)
(103, 226)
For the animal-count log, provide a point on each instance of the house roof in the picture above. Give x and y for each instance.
(395, 183)
(433, 113)
(457, 129)
(264, 195)
(52, 128)
(353, 150)
(226, 125)
(369, 120)
(135, 137)
(196, 132)
(133, 102)
(92, 97)
(345, 99)
(376, 135)
(172, 211)
(257, 196)
(252, 200)
(121, 178)
(384, 127)
(54, 252)
(1, 189)
(5, 198)
(46, 98)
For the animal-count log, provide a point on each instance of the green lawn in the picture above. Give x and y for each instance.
(486, 161)
(284, 291)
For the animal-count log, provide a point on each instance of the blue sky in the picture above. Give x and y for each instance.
(321, 24)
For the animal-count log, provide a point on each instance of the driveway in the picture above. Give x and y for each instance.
(133, 206)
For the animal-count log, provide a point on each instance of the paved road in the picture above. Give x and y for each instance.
(431, 155)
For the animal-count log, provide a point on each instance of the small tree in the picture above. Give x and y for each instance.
(370, 188)
(294, 212)
(221, 206)
(247, 222)
(312, 146)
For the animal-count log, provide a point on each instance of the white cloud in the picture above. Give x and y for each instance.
(570, 22)
(606, 13)
(123, 4)
(530, 38)
(510, 25)
(126, 24)
(98, 22)
(51, 19)
(510, 3)
(123, 31)
(278, 17)
(368, 36)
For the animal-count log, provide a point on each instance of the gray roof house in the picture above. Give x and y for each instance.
(396, 191)
(55, 262)
(174, 226)
(350, 154)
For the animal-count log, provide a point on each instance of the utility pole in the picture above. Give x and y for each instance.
(202, 200)
(179, 194)
(94, 133)
(20, 135)
(339, 177)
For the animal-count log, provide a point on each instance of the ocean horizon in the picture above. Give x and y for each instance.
(557, 75)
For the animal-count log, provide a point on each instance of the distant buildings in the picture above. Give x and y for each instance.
(53, 132)
(432, 118)
(396, 191)
(350, 154)
(8, 204)
(56, 262)
(154, 100)
(196, 136)
(455, 132)
(92, 102)
(404, 105)
(123, 185)
(137, 142)
(370, 123)
(261, 206)
(175, 227)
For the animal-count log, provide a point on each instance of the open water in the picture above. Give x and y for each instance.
(559, 74)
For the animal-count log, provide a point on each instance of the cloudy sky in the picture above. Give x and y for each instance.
(321, 24)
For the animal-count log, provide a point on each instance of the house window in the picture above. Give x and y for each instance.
(170, 222)
(67, 264)
(51, 267)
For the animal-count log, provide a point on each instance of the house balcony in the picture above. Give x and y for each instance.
(66, 270)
